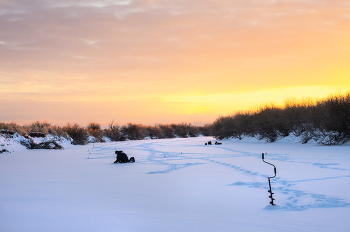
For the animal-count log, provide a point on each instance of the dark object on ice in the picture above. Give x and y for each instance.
(206, 143)
(270, 191)
(216, 143)
(123, 158)
(37, 134)
(46, 145)
(3, 150)
(7, 132)
(209, 143)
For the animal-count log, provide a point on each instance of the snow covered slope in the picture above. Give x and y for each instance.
(176, 185)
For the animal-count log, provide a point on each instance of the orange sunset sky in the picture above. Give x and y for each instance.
(166, 61)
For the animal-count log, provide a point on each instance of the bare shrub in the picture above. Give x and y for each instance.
(94, 130)
(77, 133)
(155, 132)
(134, 131)
(206, 129)
(57, 131)
(38, 126)
(167, 131)
(181, 130)
(113, 132)
(193, 131)
(234, 126)
(334, 124)
(94, 126)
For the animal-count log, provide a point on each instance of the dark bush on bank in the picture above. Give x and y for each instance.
(133, 131)
(155, 132)
(168, 131)
(113, 132)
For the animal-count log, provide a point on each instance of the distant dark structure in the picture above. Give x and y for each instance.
(217, 143)
(206, 143)
(123, 158)
(209, 143)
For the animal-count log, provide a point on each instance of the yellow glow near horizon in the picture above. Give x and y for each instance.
(229, 103)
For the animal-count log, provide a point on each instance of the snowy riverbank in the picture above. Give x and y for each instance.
(175, 185)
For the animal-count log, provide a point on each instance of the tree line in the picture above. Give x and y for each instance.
(327, 121)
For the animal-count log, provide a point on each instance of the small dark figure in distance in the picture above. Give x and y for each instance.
(3, 150)
(209, 143)
(216, 143)
(206, 143)
(121, 157)
(132, 160)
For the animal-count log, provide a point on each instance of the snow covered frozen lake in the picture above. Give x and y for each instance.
(176, 185)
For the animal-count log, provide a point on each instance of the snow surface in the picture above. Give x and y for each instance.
(175, 185)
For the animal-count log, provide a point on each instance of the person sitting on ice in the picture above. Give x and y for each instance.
(121, 157)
